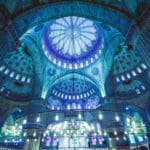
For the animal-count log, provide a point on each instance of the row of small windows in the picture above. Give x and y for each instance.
(67, 107)
(140, 89)
(16, 76)
(72, 65)
(72, 106)
(73, 97)
(133, 73)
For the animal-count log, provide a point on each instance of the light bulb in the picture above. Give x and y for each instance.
(35, 140)
(128, 120)
(24, 134)
(117, 118)
(34, 134)
(127, 108)
(5, 141)
(100, 116)
(125, 132)
(105, 133)
(115, 132)
(24, 121)
(117, 138)
(56, 117)
(38, 119)
(79, 116)
(20, 127)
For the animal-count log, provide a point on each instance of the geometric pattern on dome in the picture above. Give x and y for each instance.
(76, 93)
(73, 89)
(19, 62)
(72, 35)
(126, 61)
(93, 102)
(73, 42)
(17, 65)
(128, 64)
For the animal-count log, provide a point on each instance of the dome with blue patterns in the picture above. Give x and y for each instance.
(73, 42)
(74, 94)
(16, 74)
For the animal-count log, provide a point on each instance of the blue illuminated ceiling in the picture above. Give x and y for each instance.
(74, 86)
(75, 39)
(73, 42)
(62, 52)
(72, 35)
(78, 59)
(76, 93)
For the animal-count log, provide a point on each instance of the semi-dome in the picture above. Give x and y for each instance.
(75, 93)
(17, 74)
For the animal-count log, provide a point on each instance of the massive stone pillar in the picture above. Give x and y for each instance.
(32, 144)
(32, 136)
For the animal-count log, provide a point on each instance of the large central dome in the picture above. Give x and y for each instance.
(73, 36)
(73, 42)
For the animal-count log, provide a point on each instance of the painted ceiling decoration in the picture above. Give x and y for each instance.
(74, 89)
(127, 64)
(76, 8)
(74, 74)
(73, 42)
(22, 64)
(16, 74)
(76, 93)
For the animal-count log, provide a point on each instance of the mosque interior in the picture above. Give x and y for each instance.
(74, 74)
